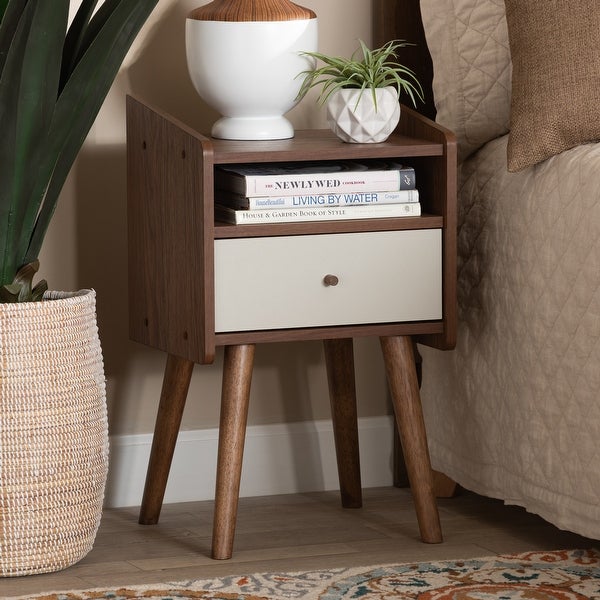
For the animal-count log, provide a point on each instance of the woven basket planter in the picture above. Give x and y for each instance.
(53, 432)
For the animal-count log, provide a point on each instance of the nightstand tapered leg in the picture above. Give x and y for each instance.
(402, 377)
(235, 396)
(176, 382)
(339, 358)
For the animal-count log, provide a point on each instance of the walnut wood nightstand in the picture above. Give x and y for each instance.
(196, 284)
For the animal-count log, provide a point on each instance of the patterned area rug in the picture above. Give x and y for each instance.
(559, 575)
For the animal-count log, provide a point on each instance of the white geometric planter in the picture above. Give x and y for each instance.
(363, 122)
(53, 432)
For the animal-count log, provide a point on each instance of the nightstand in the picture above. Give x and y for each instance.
(196, 284)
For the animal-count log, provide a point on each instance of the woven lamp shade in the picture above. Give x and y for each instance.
(251, 10)
(53, 433)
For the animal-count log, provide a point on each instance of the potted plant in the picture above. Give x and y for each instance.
(53, 433)
(362, 94)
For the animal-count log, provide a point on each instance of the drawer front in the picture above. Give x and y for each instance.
(279, 282)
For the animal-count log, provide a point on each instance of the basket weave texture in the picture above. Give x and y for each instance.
(53, 432)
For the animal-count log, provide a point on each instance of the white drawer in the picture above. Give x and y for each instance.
(277, 282)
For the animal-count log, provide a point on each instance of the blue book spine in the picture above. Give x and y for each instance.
(316, 200)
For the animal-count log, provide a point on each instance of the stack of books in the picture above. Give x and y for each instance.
(323, 191)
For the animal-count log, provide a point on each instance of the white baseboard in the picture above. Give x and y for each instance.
(278, 459)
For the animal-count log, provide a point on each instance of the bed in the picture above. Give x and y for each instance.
(514, 411)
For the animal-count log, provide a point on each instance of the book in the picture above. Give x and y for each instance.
(285, 179)
(315, 200)
(325, 213)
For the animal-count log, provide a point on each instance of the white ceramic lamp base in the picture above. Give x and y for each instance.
(248, 72)
(252, 128)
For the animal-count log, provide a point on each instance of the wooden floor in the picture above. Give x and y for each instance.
(295, 532)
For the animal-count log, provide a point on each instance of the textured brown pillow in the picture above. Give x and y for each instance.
(555, 50)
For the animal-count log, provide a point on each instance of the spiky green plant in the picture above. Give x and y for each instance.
(53, 81)
(376, 69)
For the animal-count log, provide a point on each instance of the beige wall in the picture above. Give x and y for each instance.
(87, 245)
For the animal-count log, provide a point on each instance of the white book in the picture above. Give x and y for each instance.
(333, 213)
(281, 179)
(315, 200)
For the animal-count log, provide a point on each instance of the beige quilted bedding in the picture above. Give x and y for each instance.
(514, 411)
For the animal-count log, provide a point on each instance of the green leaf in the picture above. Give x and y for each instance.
(74, 39)
(44, 119)
(81, 99)
(377, 68)
(21, 289)
(9, 293)
(94, 26)
(9, 20)
(28, 89)
(37, 293)
(15, 26)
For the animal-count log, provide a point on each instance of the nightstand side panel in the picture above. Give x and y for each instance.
(438, 185)
(170, 224)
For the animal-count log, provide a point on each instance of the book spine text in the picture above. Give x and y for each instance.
(318, 183)
(315, 200)
(286, 215)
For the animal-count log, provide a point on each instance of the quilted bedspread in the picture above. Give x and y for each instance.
(514, 411)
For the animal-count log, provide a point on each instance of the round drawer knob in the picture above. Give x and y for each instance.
(330, 280)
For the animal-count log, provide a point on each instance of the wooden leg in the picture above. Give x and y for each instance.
(339, 358)
(399, 468)
(443, 486)
(176, 382)
(237, 375)
(402, 377)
